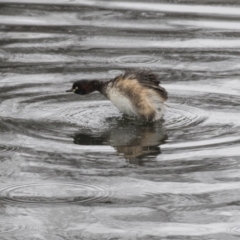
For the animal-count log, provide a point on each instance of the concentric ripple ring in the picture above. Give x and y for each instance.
(45, 193)
(178, 116)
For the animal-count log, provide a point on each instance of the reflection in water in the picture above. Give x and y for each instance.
(183, 180)
(134, 140)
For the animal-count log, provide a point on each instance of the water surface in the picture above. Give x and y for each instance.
(72, 167)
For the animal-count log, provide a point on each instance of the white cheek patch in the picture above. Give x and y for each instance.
(75, 89)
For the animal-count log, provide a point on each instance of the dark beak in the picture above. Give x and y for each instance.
(69, 90)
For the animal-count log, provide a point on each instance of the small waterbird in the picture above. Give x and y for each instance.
(136, 93)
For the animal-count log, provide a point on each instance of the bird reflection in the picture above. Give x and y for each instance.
(134, 140)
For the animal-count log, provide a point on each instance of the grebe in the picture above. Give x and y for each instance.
(135, 93)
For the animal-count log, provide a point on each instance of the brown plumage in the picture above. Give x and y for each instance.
(135, 93)
(148, 79)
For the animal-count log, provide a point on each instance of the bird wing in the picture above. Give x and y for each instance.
(147, 78)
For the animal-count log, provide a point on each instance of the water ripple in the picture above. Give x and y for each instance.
(175, 178)
(159, 7)
(180, 202)
(8, 148)
(45, 193)
(178, 116)
(131, 59)
(234, 229)
(7, 227)
(90, 114)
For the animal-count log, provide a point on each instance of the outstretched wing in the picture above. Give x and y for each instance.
(147, 78)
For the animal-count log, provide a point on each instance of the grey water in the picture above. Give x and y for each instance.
(72, 167)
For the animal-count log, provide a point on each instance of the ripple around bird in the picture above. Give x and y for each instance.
(178, 116)
(80, 151)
